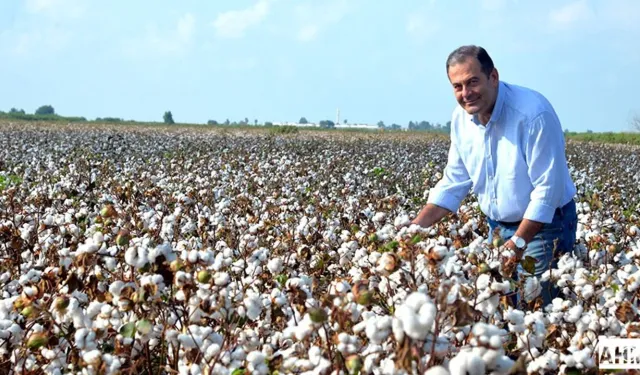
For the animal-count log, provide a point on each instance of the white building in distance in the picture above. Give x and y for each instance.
(316, 125)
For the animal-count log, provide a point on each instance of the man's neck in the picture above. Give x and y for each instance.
(485, 117)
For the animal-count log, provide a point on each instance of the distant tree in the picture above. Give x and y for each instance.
(212, 122)
(268, 124)
(345, 121)
(109, 119)
(255, 122)
(381, 124)
(589, 131)
(226, 122)
(396, 127)
(16, 111)
(412, 125)
(246, 121)
(635, 123)
(168, 118)
(45, 110)
(303, 120)
(327, 124)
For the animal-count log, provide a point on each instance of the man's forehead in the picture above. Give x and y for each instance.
(463, 71)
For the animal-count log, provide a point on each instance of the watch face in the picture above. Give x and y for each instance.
(520, 242)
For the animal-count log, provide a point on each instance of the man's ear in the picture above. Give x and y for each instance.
(494, 77)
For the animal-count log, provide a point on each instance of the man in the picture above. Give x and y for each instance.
(507, 145)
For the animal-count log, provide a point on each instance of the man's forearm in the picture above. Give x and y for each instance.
(528, 229)
(429, 215)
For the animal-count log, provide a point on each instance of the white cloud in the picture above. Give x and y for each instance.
(47, 29)
(234, 23)
(308, 33)
(420, 26)
(175, 41)
(606, 16)
(57, 8)
(186, 27)
(621, 14)
(45, 40)
(493, 4)
(313, 18)
(571, 15)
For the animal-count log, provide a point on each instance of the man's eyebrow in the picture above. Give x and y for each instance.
(466, 81)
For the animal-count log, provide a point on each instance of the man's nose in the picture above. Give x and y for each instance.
(465, 91)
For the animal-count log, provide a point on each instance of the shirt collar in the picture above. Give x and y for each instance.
(497, 108)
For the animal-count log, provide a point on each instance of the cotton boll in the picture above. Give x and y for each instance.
(437, 370)
(397, 328)
(574, 314)
(136, 256)
(221, 278)
(402, 220)
(416, 316)
(256, 363)
(475, 365)
(379, 217)
(378, 329)
(532, 288)
(98, 238)
(483, 281)
(587, 291)
(466, 363)
(275, 265)
(92, 357)
(187, 341)
(503, 365)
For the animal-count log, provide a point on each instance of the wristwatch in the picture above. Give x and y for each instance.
(519, 242)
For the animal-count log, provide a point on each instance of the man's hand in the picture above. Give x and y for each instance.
(512, 246)
(429, 215)
(527, 230)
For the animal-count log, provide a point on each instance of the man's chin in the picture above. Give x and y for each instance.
(472, 110)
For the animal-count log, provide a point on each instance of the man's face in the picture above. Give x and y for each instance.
(474, 91)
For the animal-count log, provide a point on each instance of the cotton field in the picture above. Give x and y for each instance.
(209, 251)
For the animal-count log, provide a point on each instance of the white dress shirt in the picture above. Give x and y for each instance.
(516, 164)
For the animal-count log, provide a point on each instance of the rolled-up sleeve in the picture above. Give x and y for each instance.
(546, 159)
(455, 183)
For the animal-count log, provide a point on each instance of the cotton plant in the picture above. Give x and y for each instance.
(244, 253)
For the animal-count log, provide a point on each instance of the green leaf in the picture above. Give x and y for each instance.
(144, 326)
(128, 330)
(529, 264)
(417, 238)
(238, 371)
(281, 279)
(389, 246)
(615, 288)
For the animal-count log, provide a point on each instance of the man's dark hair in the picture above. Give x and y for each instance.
(464, 52)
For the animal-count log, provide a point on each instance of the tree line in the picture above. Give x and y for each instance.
(47, 112)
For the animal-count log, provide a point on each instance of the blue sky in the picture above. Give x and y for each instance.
(278, 60)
